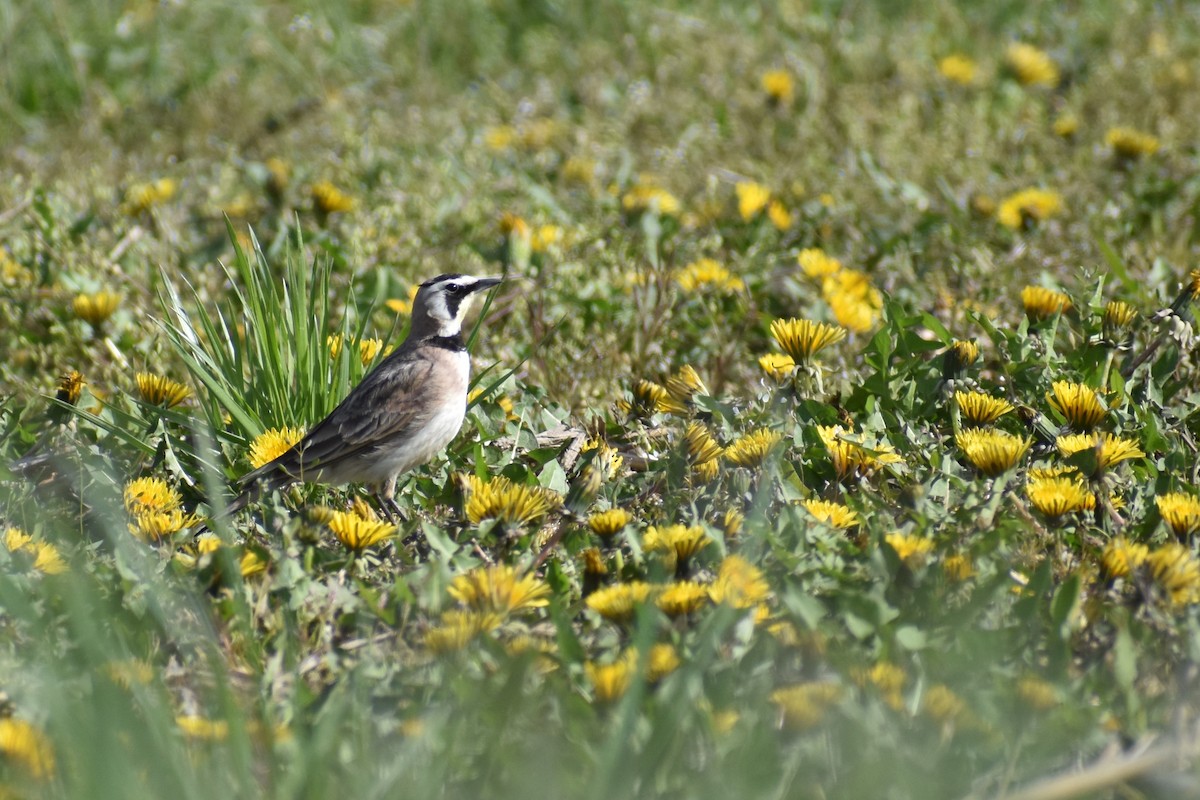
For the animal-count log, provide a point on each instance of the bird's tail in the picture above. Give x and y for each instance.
(251, 490)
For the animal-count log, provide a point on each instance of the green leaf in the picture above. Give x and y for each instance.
(1124, 659)
(911, 638)
(1066, 599)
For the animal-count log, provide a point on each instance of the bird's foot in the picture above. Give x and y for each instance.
(389, 508)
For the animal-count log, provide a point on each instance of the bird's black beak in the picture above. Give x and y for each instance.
(485, 283)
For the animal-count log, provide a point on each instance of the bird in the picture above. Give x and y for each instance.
(410, 406)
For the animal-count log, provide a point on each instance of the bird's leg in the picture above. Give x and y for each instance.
(386, 506)
(395, 508)
(386, 498)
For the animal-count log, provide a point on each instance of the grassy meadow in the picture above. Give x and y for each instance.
(834, 434)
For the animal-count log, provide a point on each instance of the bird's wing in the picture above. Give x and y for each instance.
(385, 406)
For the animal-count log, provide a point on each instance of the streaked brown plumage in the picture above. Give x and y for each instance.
(407, 409)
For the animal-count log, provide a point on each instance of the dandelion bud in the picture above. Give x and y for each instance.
(959, 356)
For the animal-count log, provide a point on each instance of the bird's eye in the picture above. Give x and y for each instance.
(454, 288)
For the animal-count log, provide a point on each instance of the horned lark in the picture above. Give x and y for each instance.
(407, 409)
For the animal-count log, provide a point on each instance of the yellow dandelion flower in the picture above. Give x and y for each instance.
(129, 672)
(404, 305)
(150, 494)
(732, 522)
(154, 526)
(777, 366)
(1108, 449)
(682, 540)
(1031, 66)
(499, 588)
(854, 313)
(142, 197)
(611, 681)
(251, 564)
(23, 743)
(335, 345)
(1079, 404)
(817, 264)
(978, 408)
(802, 338)
(208, 543)
(958, 567)
(328, 199)
(1129, 143)
(1120, 557)
(706, 471)
(514, 227)
(992, 452)
(681, 598)
(279, 175)
(752, 199)
(833, 514)
(458, 628)
(779, 215)
(752, 449)
(13, 273)
(95, 309)
(1065, 125)
(942, 705)
(685, 384)
(651, 398)
(1177, 572)
(983, 205)
(356, 533)
(202, 729)
(959, 68)
(1027, 206)
(778, 86)
(855, 302)
(618, 602)
(803, 706)
(272, 443)
(158, 390)
(605, 524)
(700, 444)
(368, 349)
(708, 274)
(545, 237)
(47, 560)
(912, 550)
(499, 137)
(16, 539)
(1118, 316)
(888, 678)
(661, 661)
(851, 457)
(648, 197)
(593, 562)
(1043, 304)
(1057, 471)
(1180, 511)
(579, 170)
(960, 355)
(508, 502)
(739, 584)
(70, 387)
(609, 461)
(1054, 497)
(538, 134)
(1037, 693)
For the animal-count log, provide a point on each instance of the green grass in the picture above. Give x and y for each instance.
(1004, 652)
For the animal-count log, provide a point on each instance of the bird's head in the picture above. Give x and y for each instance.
(442, 302)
